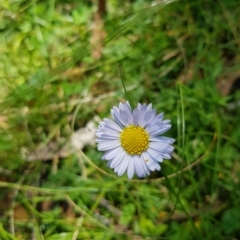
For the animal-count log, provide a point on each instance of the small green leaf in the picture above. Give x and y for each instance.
(128, 214)
(231, 220)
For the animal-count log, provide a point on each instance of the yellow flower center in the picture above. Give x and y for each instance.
(134, 139)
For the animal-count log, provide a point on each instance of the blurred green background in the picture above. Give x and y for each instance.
(60, 67)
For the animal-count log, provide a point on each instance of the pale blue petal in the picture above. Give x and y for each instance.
(166, 121)
(160, 116)
(161, 147)
(142, 110)
(109, 128)
(155, 155)
(116, 116)
(126, 108)
(125, 114)
(112, 124)
(135, 116)
(166, 155)
(157, 119)
(159, 156)
(124, 117)
(162, 139)
(139, 106)
(157, 130)
(149, 116)
(151, 129)
(149, 107)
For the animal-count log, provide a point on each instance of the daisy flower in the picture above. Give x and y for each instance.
(132, 142)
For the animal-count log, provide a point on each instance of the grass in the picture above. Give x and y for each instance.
(60, 68)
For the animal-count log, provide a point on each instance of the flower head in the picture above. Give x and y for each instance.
(132, 142)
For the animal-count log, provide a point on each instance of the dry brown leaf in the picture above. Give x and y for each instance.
(69, 213)
(21, 213)
(187, 74)
(97, 37)
(3, 124)
(225, 82)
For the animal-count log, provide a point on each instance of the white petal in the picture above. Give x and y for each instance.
(144, 165)
(110, 131)
(105, 137)
(157, 166)
(109, 163)
(140, 169)
(102, 138)
(117, 160)
(104, 146)
(112, 153)
(149, 161)
(111, 137)
(130, 169)
(123, 165)
(104, 134)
